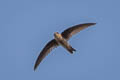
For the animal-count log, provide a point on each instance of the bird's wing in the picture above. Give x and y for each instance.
(75, 29)
(50, 45)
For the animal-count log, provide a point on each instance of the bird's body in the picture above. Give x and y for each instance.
(63, 42)
(61, 39)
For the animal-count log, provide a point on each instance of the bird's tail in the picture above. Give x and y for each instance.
(70, 49)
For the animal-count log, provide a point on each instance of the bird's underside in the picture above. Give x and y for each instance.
(61, 39)
(63, 42)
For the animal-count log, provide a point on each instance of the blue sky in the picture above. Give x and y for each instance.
(27, 25)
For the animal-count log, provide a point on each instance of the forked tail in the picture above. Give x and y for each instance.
(70, 49)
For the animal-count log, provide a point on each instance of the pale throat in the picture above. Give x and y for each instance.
(57, 36)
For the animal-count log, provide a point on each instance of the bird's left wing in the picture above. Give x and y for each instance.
(75, 29)
(50, 45)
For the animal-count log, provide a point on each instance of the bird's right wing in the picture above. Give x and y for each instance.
(75, 29)
(50, 45)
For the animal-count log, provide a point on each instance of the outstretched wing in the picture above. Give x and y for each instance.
(75, 29)
(50, 45)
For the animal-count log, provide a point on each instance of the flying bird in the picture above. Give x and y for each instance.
(61, 39)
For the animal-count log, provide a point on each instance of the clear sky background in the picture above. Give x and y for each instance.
(27, 25)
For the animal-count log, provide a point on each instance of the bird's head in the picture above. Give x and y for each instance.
(56, 34)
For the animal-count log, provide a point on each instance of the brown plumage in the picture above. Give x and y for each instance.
(75, 29)
(51, 45)
(61, 39)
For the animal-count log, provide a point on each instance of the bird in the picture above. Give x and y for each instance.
(61, 40)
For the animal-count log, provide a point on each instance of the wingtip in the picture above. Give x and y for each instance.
(35, 67)
(92, 23)
(89, 24)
